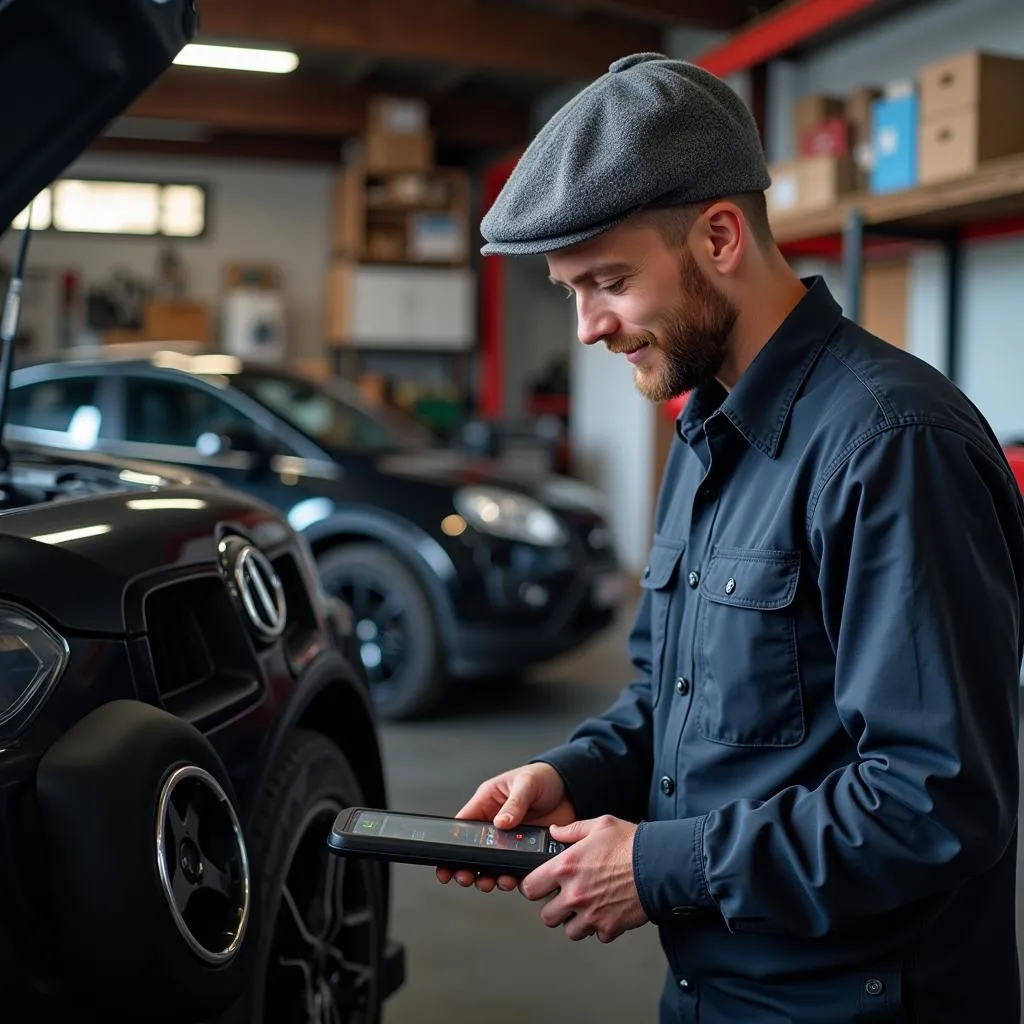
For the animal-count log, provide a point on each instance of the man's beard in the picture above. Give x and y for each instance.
(690, 344)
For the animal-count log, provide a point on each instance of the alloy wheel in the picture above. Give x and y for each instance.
(324, 957)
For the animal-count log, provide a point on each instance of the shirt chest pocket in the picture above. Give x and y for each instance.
(749, 693)
(659, 580)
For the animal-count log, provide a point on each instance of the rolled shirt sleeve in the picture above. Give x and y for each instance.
(916, 538)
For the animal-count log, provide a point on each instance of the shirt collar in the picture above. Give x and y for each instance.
(760, 403)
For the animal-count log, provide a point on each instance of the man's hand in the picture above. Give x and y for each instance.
(531, 795)
(592, 881)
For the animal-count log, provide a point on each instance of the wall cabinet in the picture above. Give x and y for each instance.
(396, 307)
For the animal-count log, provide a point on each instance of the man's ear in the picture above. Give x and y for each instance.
(726, 234)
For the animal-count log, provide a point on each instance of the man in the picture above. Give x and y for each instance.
(811, 785)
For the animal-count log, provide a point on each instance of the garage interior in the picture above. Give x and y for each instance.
(327, 218)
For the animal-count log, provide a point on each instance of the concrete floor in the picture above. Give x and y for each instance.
(472, 956)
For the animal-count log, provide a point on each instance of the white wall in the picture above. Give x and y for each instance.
(613, 443)
(992, 306)
(268, 212)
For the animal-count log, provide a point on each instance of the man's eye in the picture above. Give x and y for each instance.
(615, 287)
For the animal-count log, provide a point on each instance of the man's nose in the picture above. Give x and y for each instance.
(594, 324)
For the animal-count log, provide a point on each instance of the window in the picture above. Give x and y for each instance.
(176, 413)
(68, 407)
(330, 419)
(119, 208)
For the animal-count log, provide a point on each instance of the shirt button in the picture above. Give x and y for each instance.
(682, 686)
(684, 984)
(874, 987)
(710, 494)
(693, 579)
(647, 571)
(730, 585)
(668, 786)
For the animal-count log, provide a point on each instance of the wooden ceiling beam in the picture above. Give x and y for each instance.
(702, 14)
(459, 31)
(302, 106)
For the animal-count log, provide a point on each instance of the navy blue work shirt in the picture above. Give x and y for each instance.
(821, 740)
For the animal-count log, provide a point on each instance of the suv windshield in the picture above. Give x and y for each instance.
(333, 415)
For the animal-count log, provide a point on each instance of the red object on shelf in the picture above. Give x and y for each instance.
(776, 32)
(830, 138)
(548, 405)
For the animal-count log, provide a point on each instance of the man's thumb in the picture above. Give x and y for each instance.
(516, 804)
(571, 833)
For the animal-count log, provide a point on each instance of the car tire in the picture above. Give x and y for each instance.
(309, 783)
(139, 825)
(400, 652)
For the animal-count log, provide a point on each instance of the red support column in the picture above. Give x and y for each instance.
(492, 306)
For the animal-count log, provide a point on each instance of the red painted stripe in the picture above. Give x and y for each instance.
(776, 32)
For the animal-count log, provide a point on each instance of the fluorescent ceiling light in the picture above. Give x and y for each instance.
(237, 58)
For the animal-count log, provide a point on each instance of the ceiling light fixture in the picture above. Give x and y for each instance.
(237, 58)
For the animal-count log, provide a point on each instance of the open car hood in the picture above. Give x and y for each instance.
(67, 69)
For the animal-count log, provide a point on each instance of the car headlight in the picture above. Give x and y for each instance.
(510, 515)
(32, 659)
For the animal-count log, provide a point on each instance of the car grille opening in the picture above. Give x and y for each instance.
(202, 659)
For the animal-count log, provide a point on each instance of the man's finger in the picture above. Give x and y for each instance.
(465, 878)
(485, 884)
(444, 875)
(506, 883)
(517, 803)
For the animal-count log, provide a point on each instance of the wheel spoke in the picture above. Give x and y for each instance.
(177, 823)
(391, 609)
(307, 980)
(181, 889)
(331, 896)
(190, 826)
(307, 936)
(360, 600)
(216, 879)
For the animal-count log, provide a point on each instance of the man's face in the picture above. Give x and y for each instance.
(649, 302)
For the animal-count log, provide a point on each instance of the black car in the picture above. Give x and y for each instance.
(454, 568)
(181, 710)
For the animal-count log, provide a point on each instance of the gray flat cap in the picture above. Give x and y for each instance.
(652, 131)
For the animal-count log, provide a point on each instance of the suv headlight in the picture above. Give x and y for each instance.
(510, 515)
(32, 659)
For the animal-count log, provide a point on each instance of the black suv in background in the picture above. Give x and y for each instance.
(455, 566)
(180, 713)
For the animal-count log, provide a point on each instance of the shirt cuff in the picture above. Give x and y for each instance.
(668, 868)
(577, 770)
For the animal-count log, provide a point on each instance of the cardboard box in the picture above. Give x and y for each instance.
(394, 152)
(894, 131)
(955, 145)
(810, 183)
(824, 180)
(857, 111)
(398, 136)
(858, 116)
(397, 115)
(972, 79)
(809, 112)
(175, 321)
